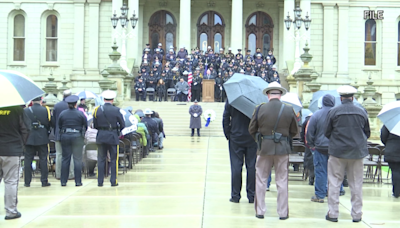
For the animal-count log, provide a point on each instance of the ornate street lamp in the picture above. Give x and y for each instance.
(124, 35)
(297, 21)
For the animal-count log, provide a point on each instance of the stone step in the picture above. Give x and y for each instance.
(177, 119)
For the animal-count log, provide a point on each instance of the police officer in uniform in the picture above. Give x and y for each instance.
(275, 123)
(347, 128)
(72, 126)
(196, 86)
(37, 141)
(58, 108)
(109, 122)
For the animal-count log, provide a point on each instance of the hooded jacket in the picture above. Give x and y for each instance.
(316, 126)
(142, 129)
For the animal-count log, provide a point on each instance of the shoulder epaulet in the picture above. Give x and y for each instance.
(95, 111)
(258, 107)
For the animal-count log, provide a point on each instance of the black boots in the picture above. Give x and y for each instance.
(198, 132)
(192, 132)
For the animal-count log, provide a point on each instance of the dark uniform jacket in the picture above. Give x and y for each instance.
(347, 130)
(152, 125)
(58, 108)
(101, 123)
(140, 85)
(196, 83)
(39, 136)
(267, 117)
(236, 125)
(73, 119)
(316, 127)
(14, 131)
(392, 143)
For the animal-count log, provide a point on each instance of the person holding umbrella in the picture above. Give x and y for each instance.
(271, 126)
(72, 126)
(347, 128)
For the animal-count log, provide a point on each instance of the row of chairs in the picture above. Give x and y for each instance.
(171, 92)
(131, 152)
(375, 159)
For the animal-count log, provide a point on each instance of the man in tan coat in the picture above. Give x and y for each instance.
(275, 147)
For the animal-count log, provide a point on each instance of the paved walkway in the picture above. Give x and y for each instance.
(186, 185)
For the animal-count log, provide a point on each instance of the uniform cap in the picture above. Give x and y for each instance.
(108, 94)
(229, 49)
(241, 71)
(258, 55)
(148, 111)
(159, 44)
(209, 47)
(72, 99)
(185, 72)
(239, 49)
(221, 49)
(147, 49)
(147, 44)
(249, 51)
(37, 98)
(346, 91)
(195, 101)
(274, 86)
(274, 66)
(157, 49)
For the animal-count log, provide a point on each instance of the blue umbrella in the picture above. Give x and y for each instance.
(320, 94)
(390, 117)
(86, 95)
(245, 92)
(17, 89)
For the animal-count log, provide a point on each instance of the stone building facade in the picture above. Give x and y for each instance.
(72, 38)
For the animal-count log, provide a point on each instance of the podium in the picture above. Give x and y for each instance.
(208, 90)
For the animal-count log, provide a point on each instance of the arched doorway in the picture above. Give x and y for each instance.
(162, 29)
(259, 32)
(210, 31)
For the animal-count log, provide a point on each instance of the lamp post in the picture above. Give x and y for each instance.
(297, 21)
(124, 35)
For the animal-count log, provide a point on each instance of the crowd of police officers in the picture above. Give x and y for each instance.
(160, 70)
(70, 126)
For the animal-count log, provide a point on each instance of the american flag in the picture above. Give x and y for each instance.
(190, 79)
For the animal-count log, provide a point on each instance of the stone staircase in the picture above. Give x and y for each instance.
(176, 116)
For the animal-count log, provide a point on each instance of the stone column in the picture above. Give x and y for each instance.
(184, 24)
(79, 33)
(132, 45)
(289, 43)
(94, 18)
(305, 6)
(327, 70)
(343, 40)
(237, 25)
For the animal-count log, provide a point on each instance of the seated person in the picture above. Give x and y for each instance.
(182, 90)
(140, 90)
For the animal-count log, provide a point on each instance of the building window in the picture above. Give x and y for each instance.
(51, 38)
(19, 38)
(162, 29)
(398, 44)
(259, 32)
(210, 31)
(370, 43)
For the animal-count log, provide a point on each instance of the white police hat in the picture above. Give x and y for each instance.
(185, 72)
(109, 95)
(273, 66)
(159, 44)
(346, 91)
(147, 49)
(148, 111)
(274, 86)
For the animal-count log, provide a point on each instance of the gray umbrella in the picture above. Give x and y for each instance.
(245, 92)
(319, 94)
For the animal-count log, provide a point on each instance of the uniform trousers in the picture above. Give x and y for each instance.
(9, 171)
(59, 162)
(140, 94)
(336, 171)
(101, 162)
(196, 95)
(182, 97)
(395, 167)
(29, 154)
(263, 171)
(238, 155)
(72, 145)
